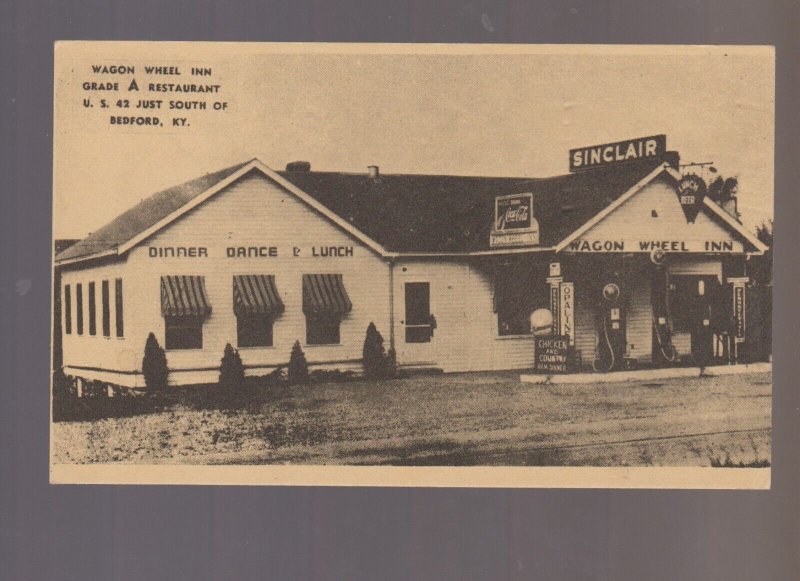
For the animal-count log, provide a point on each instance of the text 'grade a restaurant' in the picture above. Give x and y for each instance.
(636, 265)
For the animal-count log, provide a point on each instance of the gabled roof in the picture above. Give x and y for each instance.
(442, 214)
(143, 215)
(395, 213)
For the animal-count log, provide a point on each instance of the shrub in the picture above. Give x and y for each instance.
(154, 365)
(391, 363)
(298, 366)
(231, 370)
(374, 357)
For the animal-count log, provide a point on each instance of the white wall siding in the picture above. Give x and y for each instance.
(466, 338)
(109, 353)
(252, 212)
(654, 214)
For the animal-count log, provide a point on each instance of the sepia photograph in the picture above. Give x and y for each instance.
(412, 265)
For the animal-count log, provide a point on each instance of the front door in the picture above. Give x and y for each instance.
(691, 308)
(418, 323)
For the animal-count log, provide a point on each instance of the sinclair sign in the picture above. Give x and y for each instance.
(617, 153)
(514, 223)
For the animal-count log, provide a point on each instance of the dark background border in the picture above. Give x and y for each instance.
(126, 532)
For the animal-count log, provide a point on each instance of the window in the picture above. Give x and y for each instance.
(254, 330)
(418, 321)
(118, 305)
(79, 307)
(185, 306)
(67, 310)
(322, 329)
(519, 289)
(184, 332)
(256, 303)
(325, 302)
(92, 310)
(106, 309)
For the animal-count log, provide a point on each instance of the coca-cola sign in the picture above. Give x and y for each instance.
(513, 212)
(514, 222)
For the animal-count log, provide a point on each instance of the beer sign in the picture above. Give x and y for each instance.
(514, 224)
(691, 193)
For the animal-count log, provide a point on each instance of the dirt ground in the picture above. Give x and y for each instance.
(459, 419)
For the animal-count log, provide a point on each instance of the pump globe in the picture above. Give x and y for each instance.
(542, 322)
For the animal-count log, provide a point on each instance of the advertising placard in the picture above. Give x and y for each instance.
(551, 354)
(514, 224)
(616, 153)
(567, 309)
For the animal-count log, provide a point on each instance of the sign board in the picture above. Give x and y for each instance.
(566, 319)
(720, 246)
(514, 224)
(738, 310)
(691, 193)
(617, 153)
(555, 297)
(551, 354)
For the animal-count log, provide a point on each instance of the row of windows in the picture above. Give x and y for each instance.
(256, 305)
(251, 331)
(105, 312)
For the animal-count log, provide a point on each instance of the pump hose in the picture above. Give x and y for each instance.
(610, 350)
(670, 358)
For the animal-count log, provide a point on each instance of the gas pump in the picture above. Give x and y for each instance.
(663, 349)
(612, 341)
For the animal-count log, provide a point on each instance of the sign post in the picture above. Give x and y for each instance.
(555, 301)
(739, 311)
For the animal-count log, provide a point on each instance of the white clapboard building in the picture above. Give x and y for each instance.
(633, 262)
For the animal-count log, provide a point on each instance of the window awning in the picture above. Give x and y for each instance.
(184, 296)
(325, 294)
(256, 294)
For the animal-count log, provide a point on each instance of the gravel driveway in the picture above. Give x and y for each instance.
(458, 419)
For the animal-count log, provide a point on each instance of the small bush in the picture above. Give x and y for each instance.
(376, 362)
(154, 365)
(298, 366)
(390, 369)
(374, 357)
(231, 370)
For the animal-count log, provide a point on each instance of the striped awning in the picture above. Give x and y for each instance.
(325, 294)
(256, 294)
(184, 296)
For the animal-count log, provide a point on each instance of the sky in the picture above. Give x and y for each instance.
(430, 109)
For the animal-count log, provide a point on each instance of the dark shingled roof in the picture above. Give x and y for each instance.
(428, 213)
(407, 212)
